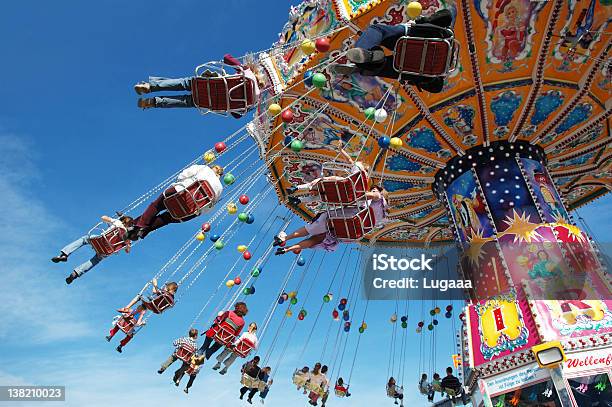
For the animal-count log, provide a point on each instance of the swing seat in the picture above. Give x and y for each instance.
(243, 348)
(191, 370)
(351, 228)
(346, 191)
(126, 324)
(159, 303)
(226, 332)
(250, 382)
(224, 93)
(107, 242)
(340, 393)
(299, 380)
(436, 56)
(184, 352)
(189, 201)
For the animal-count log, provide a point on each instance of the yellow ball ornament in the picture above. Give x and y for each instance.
(396, 142)
(232, 208)
(230, 283)
(209, 156)
(308, 46)
(242, 248)
(292, 294)
(414, 9)
(289, 313)
(200, 236)
(274, 109)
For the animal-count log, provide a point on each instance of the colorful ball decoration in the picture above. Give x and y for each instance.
(246, 291)
(462, 316)
(287, 116)
(294, 300)
(308, 46)
(319, 80)
(209, 156)
(322, 44)
(430, 327)
(229, 178)
(200, 236)
(404, 319)
(289, 313)
(214, 238)
(435, 322)
(341, 306)
(292, 294)
(393, 318)
(284, 296)
(347, 326)
(247, 255)
(274, 109)
(308, 78)
(237, 281)
(384, 142)
(361, 329)
(448, 315)
(242, 217)
(301, 316)
(343, 301)
(229, 283)
(364, 325)
(421, 324)
(449, 308)
(369, 113)
(437, 310)
(243, 199)
(335, 314)
(250, 219)
(419, 330)
(301, 261)
(432, 312)
(297, 145)
(327, 297)
(220, 147)
(241, 248)
(345, 315)
(404, 325)
(205, 227)
(396, 142)
(252, 289)
(380, 115)
(256, 272)
(232, 208)
(414, 9)
(281, 299)
(219, 245)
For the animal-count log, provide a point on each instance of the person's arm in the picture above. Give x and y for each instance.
(188, 173)
(343, 152)
(374, 195)
(107, 219)
(156, 289)
(128, 246)
(140, 319)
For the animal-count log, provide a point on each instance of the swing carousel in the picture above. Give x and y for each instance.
(494, 163)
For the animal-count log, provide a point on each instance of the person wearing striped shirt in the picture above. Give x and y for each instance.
(189, 341)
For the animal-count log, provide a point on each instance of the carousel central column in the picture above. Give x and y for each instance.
(534, 274)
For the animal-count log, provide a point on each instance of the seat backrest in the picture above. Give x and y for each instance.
(162, 302)
(223, 93)
(226, 331)
(109, 242)
(189, 201)
(243, 348)
(355, 227)
(184, 352)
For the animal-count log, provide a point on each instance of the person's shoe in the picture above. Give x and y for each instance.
(217, 366)
(108, 338)
(241, 396)
(312, 403)
(71, 277)
(186, 390)
(160, 371)
(295, 201)
(291, 190)
(223, 371)
(279, 239)
(176, 382)
(142, 87)
(344, 69)
(279, 251)
(364, 56)
(119, 348)
(62, 257)
(250, 401)
(146, 103)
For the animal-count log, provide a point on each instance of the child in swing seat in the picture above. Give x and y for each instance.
(300, 377)
(138, 315)
(341, 388)
(169, 289)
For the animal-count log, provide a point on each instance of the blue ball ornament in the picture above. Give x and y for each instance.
(345, 315)
(384, 142)
(250, 219)
(435, 322)
(214, 238)
(341, 307)
(301, 261)
(308, 78)
(448, 315)
(404, 319)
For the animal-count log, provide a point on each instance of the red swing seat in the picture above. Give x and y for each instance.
(243, 348)
(189, 201)
(224, 93)
(345, 191)
(184, 352)
(351, 228)
(435, 57)
(107, 242)
(126, 324)
(160, 303)
(226, 332)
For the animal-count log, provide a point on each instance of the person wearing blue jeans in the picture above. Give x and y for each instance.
(124, 223)
(369, 59)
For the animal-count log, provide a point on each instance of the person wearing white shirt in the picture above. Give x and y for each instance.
(123, 224)
(227, 357)
(156, 215)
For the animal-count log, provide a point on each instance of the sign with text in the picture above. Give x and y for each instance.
(516, 378)
(596, 360)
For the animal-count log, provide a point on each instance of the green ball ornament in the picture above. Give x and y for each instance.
(361, 330)
(326, 298)
(246, 291)
(370, 112)
(219, 245)
(319, 80)
(294, 300)
(303, 311)
(255, 272)
(404, 325)
(243, 217)
(430, 327)
(229, 179)
(297, 145)
(432, 313)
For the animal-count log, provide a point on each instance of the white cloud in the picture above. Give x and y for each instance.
(33, 301)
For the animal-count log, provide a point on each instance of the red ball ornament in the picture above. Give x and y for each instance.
(287, 116)
(301, 317)
(237, 281)
(220, 147)
(243, 199)
(322, 44)
(343, 301)
(297, 251)
(205, 227)
(335, 314)
(246, 255)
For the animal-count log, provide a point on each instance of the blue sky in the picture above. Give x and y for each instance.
(73, 146)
